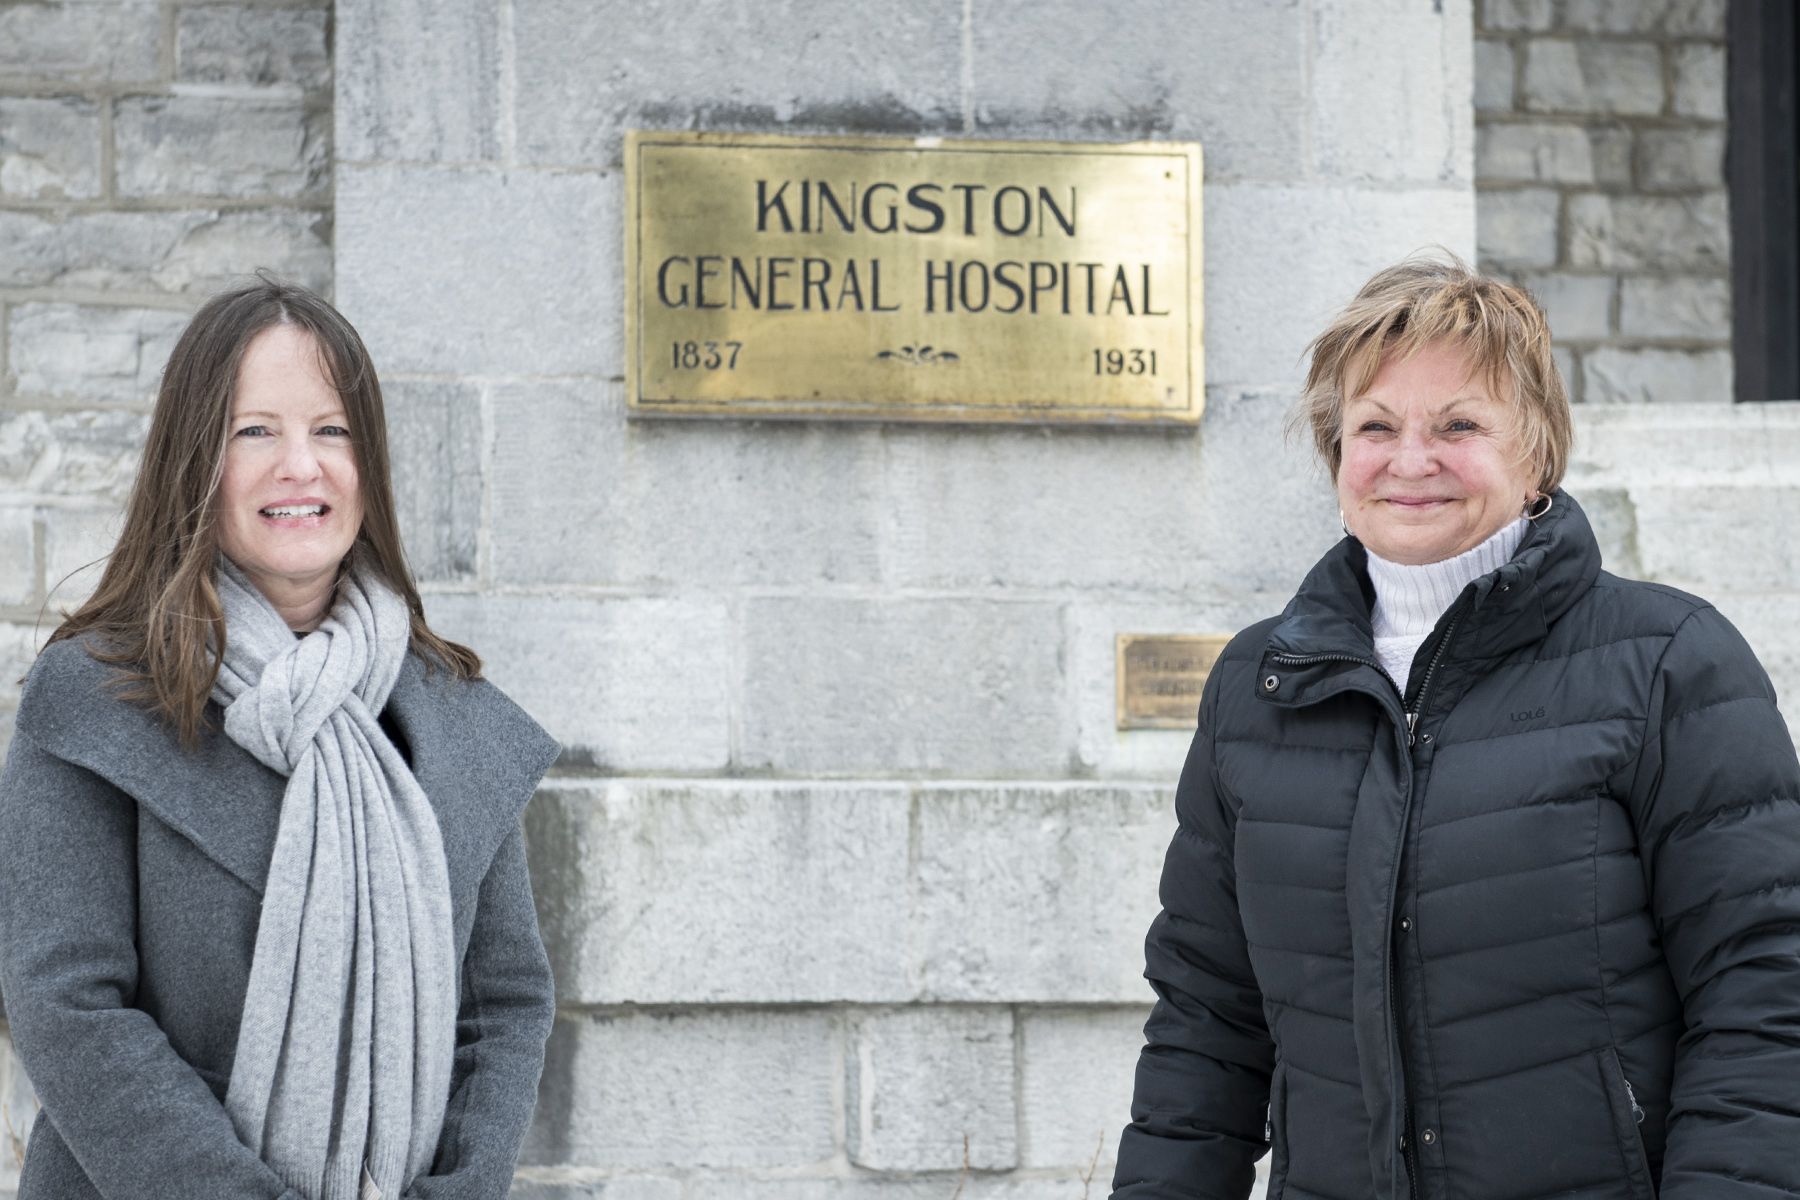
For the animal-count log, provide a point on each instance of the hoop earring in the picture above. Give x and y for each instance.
(1343, 524)
(1532, 516)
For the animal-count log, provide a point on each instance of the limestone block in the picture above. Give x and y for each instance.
(863, 1185)
(724, 892)
(1615, 375)
(1718, 538)
(1649, 232)
(1517, 228)
(1258, 338)
(1076, 1069)
(526, 1186)
(622, 683)
(1681, 18)
(259, 47)
(1494, 68)
(434, 447)
(1568, 368)
(1681, 159)
(1706, 443)
(81, 41)
(961, 687)
(1380, 74)
(658, 502)
(1532, 16)
(1699, 81)
(49, 147)
(80, 453)
(1612, 149)
(1040, 892)
(1578, 306)
(89, 352)
(18, 1106)
(219, 146)
(482, 272)
(1070, 69)
(893, 69)
(1676, 307)
(1534, 152)
(921, 1080)
(638, 1090)
(1602, 77)
(433, 98)
(18, 557)
(187, 251)
(77, 542)
(19, 646)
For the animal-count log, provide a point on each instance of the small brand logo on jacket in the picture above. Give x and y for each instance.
(1528, 714)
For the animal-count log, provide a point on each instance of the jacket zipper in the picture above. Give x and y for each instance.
(1637, 1112)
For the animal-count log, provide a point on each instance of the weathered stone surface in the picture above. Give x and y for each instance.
(1075, 1080)
(1616, 375)
(76, 544)
(1699, 89)
(649, 502)
(1613, 515)
(1657, 233)
(1516, 229)
(49, 147)
(482, 272)
(69, 453)
(1039, 893)
(1677, 307)
(434, 447)
(19, 1101)
(922, 1080)
(1395, 57)
(1579, 306)
(1257, 340)
(527, 1186)
(1532, 16)
(1064, 68)
(962, 687)
(432, 98)
(1569, 368)
(1681, 159)
(1537, 152)
(18, 556)
(1612, 145)
(219, 146)
(1711, 538)
(720, 1088)
(1697, 444)
(623, 684)
(81, 41)
(261, 47)
(724, 892)
(1622, 78)
(1684, 18)
(894, 69)
(1494, 66)
(195, 252)
(19, 646)
(88, 352)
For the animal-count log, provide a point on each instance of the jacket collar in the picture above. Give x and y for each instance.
(1330, 617)
(476, 755)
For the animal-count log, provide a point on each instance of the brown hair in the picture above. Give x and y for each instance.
(156, 612)
(1428, 299)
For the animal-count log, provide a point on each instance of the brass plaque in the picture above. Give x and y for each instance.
(1160, 677)
(912, 279)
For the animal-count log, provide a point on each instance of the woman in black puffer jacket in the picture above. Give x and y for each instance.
(1487, 877)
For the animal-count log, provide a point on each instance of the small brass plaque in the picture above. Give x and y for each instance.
(912, 279)
(1160, 677)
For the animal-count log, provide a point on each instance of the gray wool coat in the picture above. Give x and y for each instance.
(131, 876)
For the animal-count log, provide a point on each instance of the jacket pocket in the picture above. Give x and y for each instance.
(1277, 1132)
(1627, 1115)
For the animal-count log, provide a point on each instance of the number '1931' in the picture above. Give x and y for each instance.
(1124, 362)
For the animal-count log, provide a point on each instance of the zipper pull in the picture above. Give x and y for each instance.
(1637, 1113)
(1412, 728)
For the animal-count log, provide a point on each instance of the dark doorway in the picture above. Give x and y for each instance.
(1763, 53)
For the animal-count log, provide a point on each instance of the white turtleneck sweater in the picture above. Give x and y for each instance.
(1409, 600)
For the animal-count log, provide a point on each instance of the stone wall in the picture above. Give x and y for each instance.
(1600, 169)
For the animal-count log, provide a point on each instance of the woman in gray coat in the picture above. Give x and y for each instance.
(265, 924)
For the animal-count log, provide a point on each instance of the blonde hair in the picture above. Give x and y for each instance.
(1439, 299)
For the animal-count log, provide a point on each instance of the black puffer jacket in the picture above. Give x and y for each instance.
(1546, 946)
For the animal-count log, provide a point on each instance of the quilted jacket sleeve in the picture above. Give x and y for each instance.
(1198, 1111)
(141, 1122)
(1717, 806)
(507, 1007)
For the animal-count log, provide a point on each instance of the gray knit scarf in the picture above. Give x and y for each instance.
(344, 1051)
